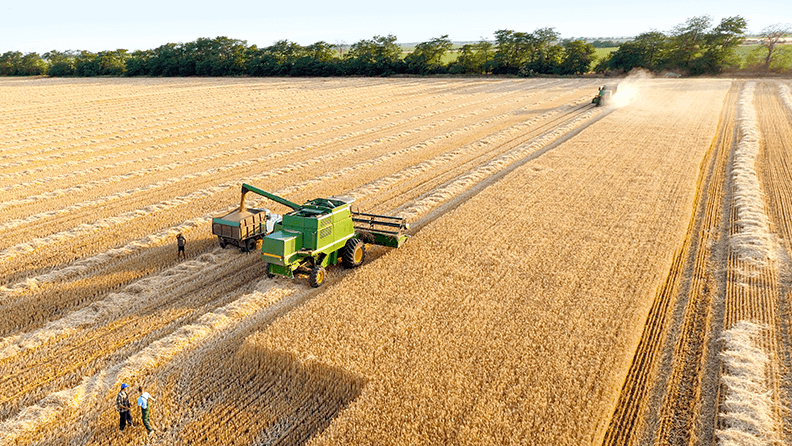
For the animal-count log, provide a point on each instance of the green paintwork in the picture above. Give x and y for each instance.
(315, 233)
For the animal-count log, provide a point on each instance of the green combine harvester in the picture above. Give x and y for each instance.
(604, 95)
(323, 232)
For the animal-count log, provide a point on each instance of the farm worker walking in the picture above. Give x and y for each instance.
(143, 402)
(122, 405)
(181, 241)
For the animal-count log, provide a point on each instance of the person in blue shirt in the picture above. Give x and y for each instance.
(143, 402)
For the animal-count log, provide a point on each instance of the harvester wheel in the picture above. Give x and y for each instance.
(317, 276)
(267, 269)
(354, 253)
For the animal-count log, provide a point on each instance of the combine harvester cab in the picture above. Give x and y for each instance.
(323, 232)
(244, 227)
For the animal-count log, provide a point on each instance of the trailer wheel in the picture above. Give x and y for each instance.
(250, 245)
(354, 253)
(222, 242)
(317, 276)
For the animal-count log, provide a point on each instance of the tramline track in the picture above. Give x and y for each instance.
(297, 116)
(173, 102)
(207, 180)
(96, 343)
(298, 301)
(666, 376)
(443, 176)
(229, 174)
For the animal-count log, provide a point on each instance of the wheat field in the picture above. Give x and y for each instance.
(574, 275)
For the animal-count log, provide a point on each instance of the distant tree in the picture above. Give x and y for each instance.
(645, 51)
(321, 51)
(60, 63)
(285, 53)
(604, 44)
(258, 62)
(164, 60)
(112, 63)
(687, 41)
(220, 56)
(137, 63)
(720, 46)
(427, 58)
(379, 56)
(513, 50)
(771, 37)
(578, 56)
(9, 63)
(473, 58)
(545, 54)
(87, 64)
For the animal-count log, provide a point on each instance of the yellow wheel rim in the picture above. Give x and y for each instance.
(359, 254)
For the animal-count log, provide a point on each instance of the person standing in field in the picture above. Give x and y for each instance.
(181, 241)
(122, 406)
(143, 402)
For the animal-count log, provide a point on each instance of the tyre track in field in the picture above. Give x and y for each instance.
(198, 127)
(80, 233)
(300, 297)
(423, 104)
(409, 183)
(34, 373)
(42, 289)
(672, 362)
(172, 107)
(775, 170)
(311, 121)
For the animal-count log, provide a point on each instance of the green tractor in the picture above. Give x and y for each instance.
(323, 232)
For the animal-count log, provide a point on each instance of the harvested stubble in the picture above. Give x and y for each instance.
(93, 309)
(513, 319)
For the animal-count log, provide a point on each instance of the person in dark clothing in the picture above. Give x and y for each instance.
(122, 406)
(181, 241)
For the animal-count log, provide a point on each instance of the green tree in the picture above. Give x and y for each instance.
(137, 63)
(545, 55)
(87, 64)
(320, 51)
(164, 60)
(513, 50)
(379, 56)
(112, 63)
(578, 56)
(60, 63)
(720, 46)
(427, 58)
(687, 42)
(9, 63)
(771, 37)
(645, 51)
(473, 58)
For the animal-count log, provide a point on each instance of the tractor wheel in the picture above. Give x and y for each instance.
(222, 242)
(354, 253)
(317, 276)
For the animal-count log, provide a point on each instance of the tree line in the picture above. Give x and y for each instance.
(694, 47)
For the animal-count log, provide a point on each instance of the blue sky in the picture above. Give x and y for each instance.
(40, 26)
